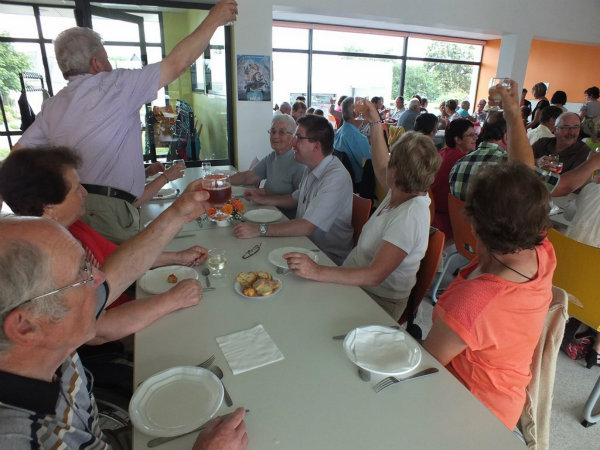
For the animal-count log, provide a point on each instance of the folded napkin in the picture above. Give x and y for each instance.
(382, 350)
(249, 349)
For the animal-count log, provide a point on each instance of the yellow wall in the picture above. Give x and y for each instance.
(567, 67)
(210, 111)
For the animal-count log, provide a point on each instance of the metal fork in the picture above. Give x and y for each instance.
(386, 382)
(206, 364)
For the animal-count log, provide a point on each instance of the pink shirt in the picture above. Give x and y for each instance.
(501, 322)
(99, 117)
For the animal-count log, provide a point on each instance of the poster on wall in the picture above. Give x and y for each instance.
(254, 78)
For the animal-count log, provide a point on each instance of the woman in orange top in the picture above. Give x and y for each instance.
(488, 322)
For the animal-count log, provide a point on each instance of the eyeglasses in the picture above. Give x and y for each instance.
(572, 127)
(299, 138)
(274, 132)
(469, 135)
(88, 269)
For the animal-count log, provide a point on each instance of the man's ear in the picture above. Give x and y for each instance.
(20, 329)
(504, 140)
(95, 66)
(50, 212)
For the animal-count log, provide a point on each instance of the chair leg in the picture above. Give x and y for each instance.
(436, 286)
(590, 419)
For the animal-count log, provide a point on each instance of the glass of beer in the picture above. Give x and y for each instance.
(360, 106)
(219, 188)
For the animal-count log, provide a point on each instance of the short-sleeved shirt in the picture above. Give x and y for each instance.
(501, 322)
(407, 227)
(61, 414)
(351, 142)
(539, 132)
(407, 119)
(463, 113)
(325, 200)
(571, 157)
(281, 172)
(591, 108)
(99, 117)
(487, 153)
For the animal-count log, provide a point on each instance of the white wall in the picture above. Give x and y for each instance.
(556, 20)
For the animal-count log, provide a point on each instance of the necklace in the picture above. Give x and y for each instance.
(510, 268)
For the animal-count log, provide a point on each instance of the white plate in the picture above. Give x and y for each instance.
(382, 350)
(275, 257)
(238, 288)
(175, 401)
(165, 194)
(263, 215)
(155, 281)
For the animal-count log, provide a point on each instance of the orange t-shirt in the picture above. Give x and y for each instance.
(501, 323)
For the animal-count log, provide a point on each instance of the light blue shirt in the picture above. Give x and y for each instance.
(351, 142)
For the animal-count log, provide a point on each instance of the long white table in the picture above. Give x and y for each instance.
(314, 397)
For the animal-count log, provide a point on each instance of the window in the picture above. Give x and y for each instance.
(133, 36)
(22, 49)
(328, 60)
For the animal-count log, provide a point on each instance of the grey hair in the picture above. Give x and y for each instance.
(560, 118)
(75, 48)
(25, 272)
(348, 109)
(286, 106)
(414, 104)
(288, 121)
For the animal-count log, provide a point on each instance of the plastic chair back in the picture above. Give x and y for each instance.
(361, 210)
(535, 418)
(425, 275)
(576, 271)
(463, 236)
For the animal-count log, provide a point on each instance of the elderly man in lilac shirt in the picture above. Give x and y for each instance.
(97, 114)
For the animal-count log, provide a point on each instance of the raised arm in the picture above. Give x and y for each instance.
(136, 255)
(518, 146)
(380, 154)
(187, 51)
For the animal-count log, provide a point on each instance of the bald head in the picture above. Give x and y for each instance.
(285, 108)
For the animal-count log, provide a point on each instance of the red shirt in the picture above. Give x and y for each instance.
(97, 249)
(441, 189)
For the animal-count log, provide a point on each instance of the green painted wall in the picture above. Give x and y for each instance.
(210, 110)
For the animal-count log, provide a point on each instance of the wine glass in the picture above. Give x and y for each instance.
(219, 188)
(216, 262)
(494, 95)
(360, 106)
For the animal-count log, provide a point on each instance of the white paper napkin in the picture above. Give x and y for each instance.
(249, 349)
(380, 349)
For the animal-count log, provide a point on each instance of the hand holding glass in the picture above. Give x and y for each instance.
(360, 106)
(218, 187)
(495, 97)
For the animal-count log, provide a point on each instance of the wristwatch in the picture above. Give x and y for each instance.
(262, 229)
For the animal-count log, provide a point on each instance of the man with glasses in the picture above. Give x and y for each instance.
(566, 144)
(516, 148)
(323, 201)
(281, 172)
(50, 298)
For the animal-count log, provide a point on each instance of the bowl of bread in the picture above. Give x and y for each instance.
(258, 284)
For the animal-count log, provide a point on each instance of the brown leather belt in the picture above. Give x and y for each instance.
(109, 192)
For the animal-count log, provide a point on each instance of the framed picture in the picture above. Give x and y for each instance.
(254, 78)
